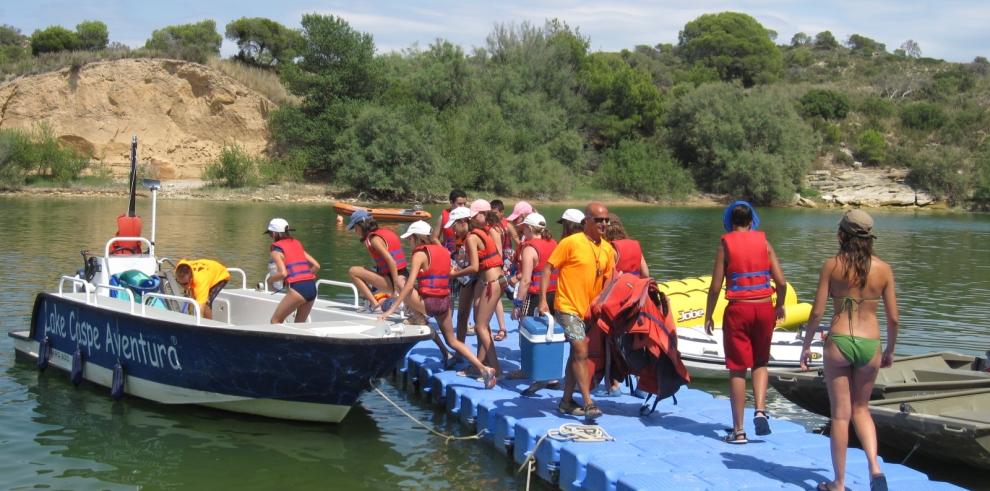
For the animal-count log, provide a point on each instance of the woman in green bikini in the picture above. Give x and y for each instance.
(857, 281)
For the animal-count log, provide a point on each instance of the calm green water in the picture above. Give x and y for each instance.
(56, 436)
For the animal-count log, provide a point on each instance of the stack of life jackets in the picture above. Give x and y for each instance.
(639, 337)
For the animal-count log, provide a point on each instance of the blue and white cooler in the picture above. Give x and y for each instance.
(542, 345)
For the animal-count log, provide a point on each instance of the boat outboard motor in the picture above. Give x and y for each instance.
(91, 266)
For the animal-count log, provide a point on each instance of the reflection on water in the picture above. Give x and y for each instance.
(59, 436)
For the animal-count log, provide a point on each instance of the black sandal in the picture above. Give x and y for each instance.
(761, 420)
(736, 437)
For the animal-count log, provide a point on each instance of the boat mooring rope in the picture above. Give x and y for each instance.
(570, 432)
(446, 438)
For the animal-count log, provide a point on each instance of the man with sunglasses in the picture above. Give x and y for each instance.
(585, 262)
(202, 280)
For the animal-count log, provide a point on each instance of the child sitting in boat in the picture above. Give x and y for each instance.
(430, 266)
(202, 280)
(391, 269)
(297, 268)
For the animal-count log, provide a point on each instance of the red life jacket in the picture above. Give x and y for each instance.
(394, 247)
(435, 280)
(543, 250)
(506, 238)
(630, 256)
(747, 275)
(296, 266)
(641, 336)
(488, 257)
(127, 226)
(448, 235)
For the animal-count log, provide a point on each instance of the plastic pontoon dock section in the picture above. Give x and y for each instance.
(677, 447)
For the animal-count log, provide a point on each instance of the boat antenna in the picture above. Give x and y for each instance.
(131, 206)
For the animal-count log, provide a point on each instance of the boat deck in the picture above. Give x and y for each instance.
(677, 447)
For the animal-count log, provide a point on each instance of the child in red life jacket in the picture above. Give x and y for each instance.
(390, 271)
(297, 268)
(430, 267)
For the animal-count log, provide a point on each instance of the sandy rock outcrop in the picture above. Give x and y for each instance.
(864, 186)
(182, 113)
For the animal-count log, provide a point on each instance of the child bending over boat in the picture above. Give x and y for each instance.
(201, 280)
(857, 281)
(430, 266)
(296, 268)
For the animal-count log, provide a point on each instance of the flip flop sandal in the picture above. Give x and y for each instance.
(761, 421)
(470, 331)
(570, 408)
(878, 483)
(489, 378)
(736, 437)
(591, 412)
(500, 335)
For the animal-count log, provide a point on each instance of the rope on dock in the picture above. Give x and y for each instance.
(570, 432)
(446, 438)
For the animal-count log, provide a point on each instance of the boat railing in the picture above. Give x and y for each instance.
(243, 276)
(92, 291)
(130, 294)
(225, 307)
(107, 249)
(344, 284)
(85, 285)
(175, 298)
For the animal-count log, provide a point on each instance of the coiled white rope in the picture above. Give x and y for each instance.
(446, 438)
(569, 432)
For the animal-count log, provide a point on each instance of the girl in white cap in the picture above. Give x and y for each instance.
(294, 265)
(430, 266)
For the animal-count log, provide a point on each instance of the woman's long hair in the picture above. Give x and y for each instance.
(615, 230)
(855, 253)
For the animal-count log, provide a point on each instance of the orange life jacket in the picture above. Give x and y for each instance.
(641, 336)
(449, 237)
(435, 280)
(297, 267)
(488, 257)
(543, 250)
(747, 274)
(394, 247)
(127, 226)
(630, 256)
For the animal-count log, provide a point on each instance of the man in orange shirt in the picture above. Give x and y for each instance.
(202, 280)
(585, 262)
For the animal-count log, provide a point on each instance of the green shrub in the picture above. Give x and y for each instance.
(876, 107)
(923, 116)
(193, 42)
(290, 167)
(826, 104)
(53, 39)
(641, 170)
(234, 168)
(15, 158)
(832, 134)
(871, 147)
(981, 179)
(750, 144)
(944, 172)
(34, 155)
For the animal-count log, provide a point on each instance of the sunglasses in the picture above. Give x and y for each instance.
(604, 220)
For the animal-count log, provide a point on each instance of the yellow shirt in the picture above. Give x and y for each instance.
(205, 274)
(584, 267)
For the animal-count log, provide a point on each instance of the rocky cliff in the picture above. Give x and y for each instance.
(182, 113)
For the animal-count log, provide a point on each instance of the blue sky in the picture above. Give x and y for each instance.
(953, 30)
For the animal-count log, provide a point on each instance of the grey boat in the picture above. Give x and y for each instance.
(908, 376)
(949, 426)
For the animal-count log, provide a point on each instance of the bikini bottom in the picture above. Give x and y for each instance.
(859, 351)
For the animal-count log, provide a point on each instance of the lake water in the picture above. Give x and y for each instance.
(53, 435)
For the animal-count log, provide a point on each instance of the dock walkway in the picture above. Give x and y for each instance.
(677, 447)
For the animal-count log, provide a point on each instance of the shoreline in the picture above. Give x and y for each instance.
(194, 189)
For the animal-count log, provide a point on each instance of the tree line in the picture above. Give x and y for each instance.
(536, 113)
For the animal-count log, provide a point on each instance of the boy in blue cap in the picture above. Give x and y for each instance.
(385, 247)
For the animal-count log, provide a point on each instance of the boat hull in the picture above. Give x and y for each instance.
(274, 374)
(704, 355)
(909, 376)
(384, 214)
(950, 426)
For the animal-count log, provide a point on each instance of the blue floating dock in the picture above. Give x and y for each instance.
(677, 447)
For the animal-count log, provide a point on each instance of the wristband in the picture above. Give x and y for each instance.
(516, 302)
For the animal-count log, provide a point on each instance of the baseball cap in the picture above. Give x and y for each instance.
(522, 209)
(278, 225)
(572, 215)
(479, 206)
(457, 214)
(418, 227)
(535, 220)
(857, 222)
(357, 217)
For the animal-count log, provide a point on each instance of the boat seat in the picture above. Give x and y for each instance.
(974, 416)
(948, 375)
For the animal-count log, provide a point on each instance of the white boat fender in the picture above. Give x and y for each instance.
(76, 375)
(117, 385)
(44, 353)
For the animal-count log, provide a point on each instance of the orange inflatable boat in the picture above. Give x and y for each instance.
(384, 214)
